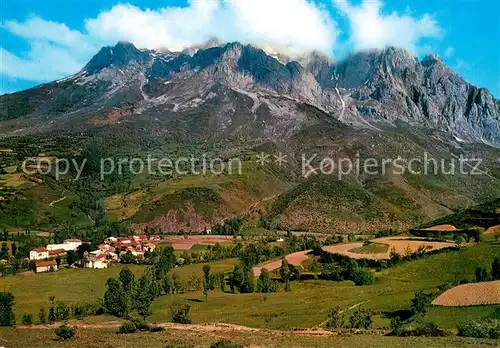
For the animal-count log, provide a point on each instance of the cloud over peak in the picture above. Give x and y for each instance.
(291, 27)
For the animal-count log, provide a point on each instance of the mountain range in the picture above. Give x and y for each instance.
(239, 100)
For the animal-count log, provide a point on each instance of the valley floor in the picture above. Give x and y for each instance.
(187, 338)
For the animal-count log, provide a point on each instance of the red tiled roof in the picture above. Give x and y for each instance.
(73, 240)
(57, 252)
(45, 263)
(40, 250)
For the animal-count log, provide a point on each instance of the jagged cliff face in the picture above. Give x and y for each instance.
(371, 90)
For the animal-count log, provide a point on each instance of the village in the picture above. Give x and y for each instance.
(46, 258)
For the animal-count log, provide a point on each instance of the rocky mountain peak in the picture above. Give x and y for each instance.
(119, 56)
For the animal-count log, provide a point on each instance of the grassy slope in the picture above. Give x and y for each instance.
(106, 337)
(312, 299)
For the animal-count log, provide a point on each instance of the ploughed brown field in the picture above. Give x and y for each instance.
(295, 259)
(485, 293)
(186, 243)
(493, 230)
(446, 228)
(400, 244)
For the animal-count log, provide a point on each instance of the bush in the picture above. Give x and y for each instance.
(140, 324)
(180, 312)
(335, 319)
(225, 344)
(154, 328)
(481, 329)
(27, 319)
(360, 319)
(65, 332)
(361, 276)
(429, 329)
(396, 326)
(127, 327)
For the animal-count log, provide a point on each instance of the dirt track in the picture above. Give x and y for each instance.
(207, 327)
(485, 293)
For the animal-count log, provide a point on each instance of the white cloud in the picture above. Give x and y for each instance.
(289, 26)
(286, 26)
(297, 25)
(370, 28)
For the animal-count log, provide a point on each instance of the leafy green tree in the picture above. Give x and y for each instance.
(71, 257)
(167, 284)
(42, 316)
(127, 280)
(351, 237)
(458, 240)
(360, 319)
(396, 326)
(482, 274)
(495, 269)
(52, 314)
(265, 283)
(4, 252)
(180, 312)
(420, 302)
(27, 319)
(208, 283)
(115, 300)
(62, 311)
(146, 291)
(165, 262)
(222, 281)
(285, 274)
(361, 276)
(13, 248)
(335, 319)
(6, 314)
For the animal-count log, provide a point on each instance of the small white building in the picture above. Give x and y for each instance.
(45, 266)
(96, 259)
(39, 254)
(69, 244)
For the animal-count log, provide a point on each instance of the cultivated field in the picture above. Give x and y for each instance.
(400, 244)
(485, 293)
(295, 259)
(493, 230)
(187, 242)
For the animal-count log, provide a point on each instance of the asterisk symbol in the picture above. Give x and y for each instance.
(262, 158)
(280, 159)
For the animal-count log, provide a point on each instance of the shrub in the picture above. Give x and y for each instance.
(180, 312)
(481, 329)
(155, 328)
(396, 326)
(27, 319)
(140, 324)
(429, 329)
(361, 276)
(335, 319)
(482, 274)
(65, 332)
(127, 327)
(225, 344)
(360, 319)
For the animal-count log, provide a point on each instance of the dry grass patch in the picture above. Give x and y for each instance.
(485, 293)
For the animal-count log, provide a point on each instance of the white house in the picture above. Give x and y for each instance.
(96, 259)
(39, 254)
(69, 244)
(45, 266)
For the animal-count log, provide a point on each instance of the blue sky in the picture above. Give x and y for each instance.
(41, 41)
